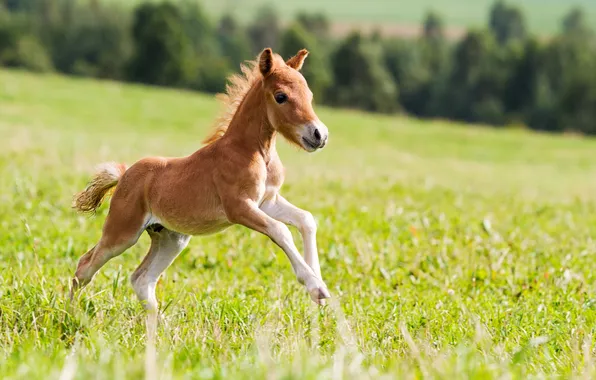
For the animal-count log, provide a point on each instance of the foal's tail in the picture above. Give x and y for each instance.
(107, 177)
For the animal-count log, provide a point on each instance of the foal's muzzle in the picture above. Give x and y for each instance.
(314, 136)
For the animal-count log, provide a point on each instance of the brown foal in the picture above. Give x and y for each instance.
(234, 179)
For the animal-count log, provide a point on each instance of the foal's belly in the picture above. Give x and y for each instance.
(205, 228)
(191, 215)
(193, 226)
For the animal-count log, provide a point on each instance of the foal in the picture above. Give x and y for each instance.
(234, 179)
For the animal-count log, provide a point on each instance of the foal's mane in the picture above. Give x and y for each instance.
(236, 89)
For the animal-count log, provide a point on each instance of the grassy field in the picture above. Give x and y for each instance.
(543, 16)
(451, 252)
(404, 17)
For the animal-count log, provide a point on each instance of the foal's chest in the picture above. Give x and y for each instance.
(273, 181)
(266, 191)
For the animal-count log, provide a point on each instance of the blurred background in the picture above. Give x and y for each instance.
(528, 63)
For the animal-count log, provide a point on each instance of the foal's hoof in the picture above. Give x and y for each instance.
(319, 295)
(75, 285)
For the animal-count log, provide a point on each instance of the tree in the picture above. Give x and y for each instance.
(20, 5)
(233, 41)
(478, 80)
(360, 79)
(265, 30)
(11, 30)
(507, 23)
(568, 64)
(209, 68)
(433, 27)
(19, 47)
(197, 27)
(163, 52)
(316, 23)
(315, 70)
(419, 67)
(211, 73)
(95, 43)
(405, 63)
(522, 89)
(434, 46)
(574, 23)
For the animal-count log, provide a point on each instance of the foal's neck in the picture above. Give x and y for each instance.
(250, 129)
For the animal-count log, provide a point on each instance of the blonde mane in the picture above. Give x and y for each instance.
(236, 89)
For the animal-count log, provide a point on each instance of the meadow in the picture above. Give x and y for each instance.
(450, 251)
(543, 16)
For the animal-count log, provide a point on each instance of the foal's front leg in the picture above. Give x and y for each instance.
(248, 214)
(280, 209)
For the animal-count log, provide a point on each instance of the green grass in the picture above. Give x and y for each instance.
(451, 252)
(543, 16)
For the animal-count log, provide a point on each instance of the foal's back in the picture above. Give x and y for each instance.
(178, 193)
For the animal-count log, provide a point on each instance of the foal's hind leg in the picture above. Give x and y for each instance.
(165, 246)
(121, 231)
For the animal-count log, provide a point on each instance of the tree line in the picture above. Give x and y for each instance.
(499, 75)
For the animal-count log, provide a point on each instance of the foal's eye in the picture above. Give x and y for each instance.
(281, 98)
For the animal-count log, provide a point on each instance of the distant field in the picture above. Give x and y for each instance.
(544, 16)
(400, 17)
(451, 252)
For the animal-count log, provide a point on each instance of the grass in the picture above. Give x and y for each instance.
(451, 252)
(544, 17)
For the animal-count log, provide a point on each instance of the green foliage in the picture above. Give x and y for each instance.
(90, 41)
(163, 51)
(19, 5)
(233, 41)
(315, 70)
(11, 29)
(497, 76)
(478, 78)
(19, 48)
(433, 26)
(405, 63)
(316, 24)
(568, 68)
(210, 69)
(574, 23)
(507, 22)
(31, 55)
(211, 74)
(521, 88)
(197, 27)
(265, 30)
(360, 79)
(420, 68)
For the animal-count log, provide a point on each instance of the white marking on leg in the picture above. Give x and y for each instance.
(281, 235)
(247, 213)
(280, 209)
(165, 247)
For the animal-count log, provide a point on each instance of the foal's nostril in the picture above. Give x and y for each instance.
(317, 135)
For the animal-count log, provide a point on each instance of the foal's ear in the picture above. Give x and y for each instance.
(297, 61)
(266, 61)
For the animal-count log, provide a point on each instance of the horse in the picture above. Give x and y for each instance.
(233, 179)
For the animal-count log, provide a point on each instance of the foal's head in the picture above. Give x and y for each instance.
(289, 101)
